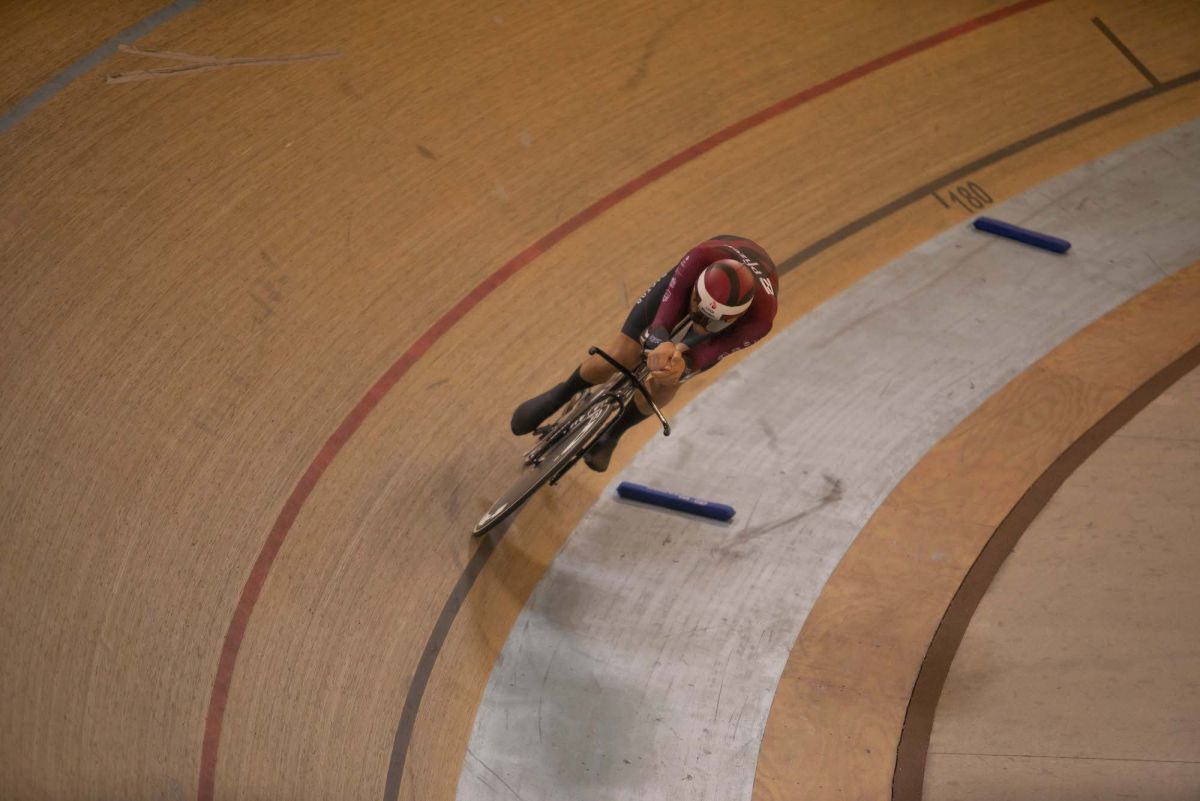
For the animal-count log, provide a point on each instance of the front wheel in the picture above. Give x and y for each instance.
(580, 434)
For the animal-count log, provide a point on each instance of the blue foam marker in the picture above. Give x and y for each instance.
(1038, 240)
(669, 500)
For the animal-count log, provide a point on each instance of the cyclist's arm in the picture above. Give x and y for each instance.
(674, 305)
(742, 334)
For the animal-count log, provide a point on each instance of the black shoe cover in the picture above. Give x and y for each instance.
(530, 414)
(598, 456)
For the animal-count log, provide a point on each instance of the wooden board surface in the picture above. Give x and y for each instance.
(841, 704)
(42, 38)
(1084, 648)
(203, 276)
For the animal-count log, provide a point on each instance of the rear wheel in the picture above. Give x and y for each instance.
(554, 461)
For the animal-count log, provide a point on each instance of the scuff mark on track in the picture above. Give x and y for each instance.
(652, 45)
(194, 64)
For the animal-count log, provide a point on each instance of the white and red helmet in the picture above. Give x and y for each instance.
(723, 293)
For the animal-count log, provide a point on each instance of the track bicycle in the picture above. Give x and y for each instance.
(563, 442)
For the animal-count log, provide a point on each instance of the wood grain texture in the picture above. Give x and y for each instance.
(1005, 778)
(975, 475)
(201, 277)
(42, 38)
(1083, 649)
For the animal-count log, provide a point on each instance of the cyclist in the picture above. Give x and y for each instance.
(720, 298)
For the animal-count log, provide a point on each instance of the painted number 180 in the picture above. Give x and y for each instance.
(969, 197)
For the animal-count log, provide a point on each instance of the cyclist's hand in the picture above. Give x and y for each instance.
(659, 358)
(666, 363)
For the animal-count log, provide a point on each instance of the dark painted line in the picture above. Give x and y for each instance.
(437, 638)
(416, 690)
(909, 778)
(920, 192)
(1125, 51)
(59, 82)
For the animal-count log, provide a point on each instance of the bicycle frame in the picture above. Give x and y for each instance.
(637, 382)
(564, 442)
(619, 388)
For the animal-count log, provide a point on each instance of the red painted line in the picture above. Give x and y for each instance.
(329, 451)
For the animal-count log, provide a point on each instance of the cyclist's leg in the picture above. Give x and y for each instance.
(601, 451)
(599, 455)
(624, 348)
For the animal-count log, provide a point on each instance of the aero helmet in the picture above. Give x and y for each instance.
(723, 293)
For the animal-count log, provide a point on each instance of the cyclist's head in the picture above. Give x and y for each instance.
(722, 294)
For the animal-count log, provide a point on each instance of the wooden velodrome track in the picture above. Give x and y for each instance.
(264, 326)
